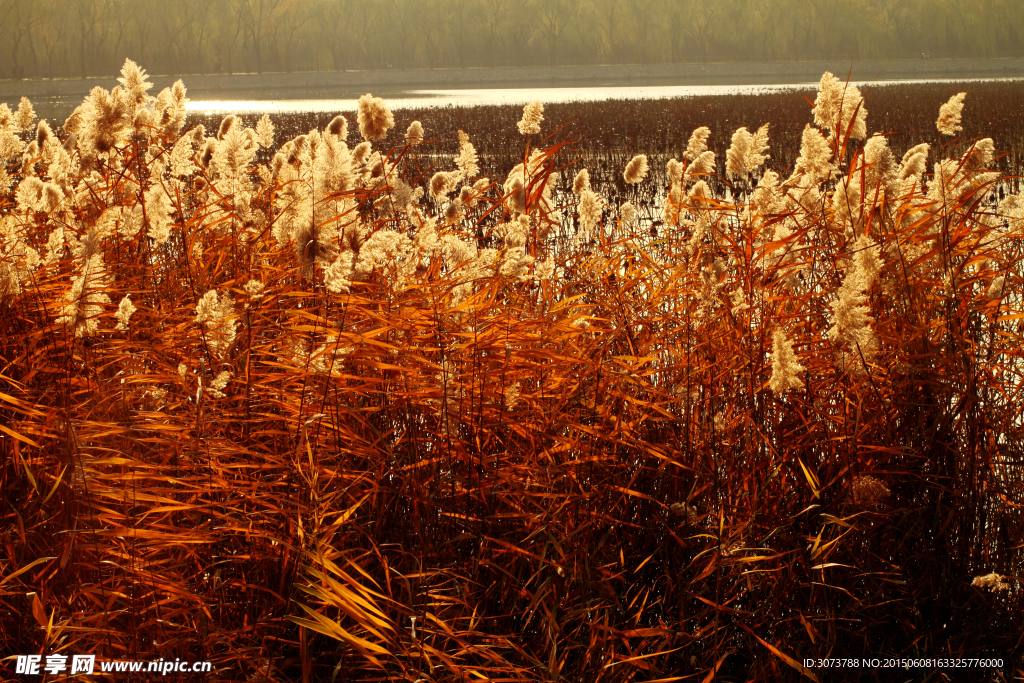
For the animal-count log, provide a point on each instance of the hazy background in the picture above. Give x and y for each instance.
(79, 38)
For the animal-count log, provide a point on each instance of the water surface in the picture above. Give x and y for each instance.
(425, 99)
(292, 101)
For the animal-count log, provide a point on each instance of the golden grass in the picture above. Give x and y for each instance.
(364, 503)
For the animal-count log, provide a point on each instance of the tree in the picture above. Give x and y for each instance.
(21, 17)
(92, 22)
(290, 18)
(553, 18)
(490, 20)
(255, 19)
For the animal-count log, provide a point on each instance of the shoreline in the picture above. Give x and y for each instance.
(316, 85)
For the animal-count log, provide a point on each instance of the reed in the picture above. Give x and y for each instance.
(401, 408)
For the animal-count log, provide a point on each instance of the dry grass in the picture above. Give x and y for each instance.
(379, 509)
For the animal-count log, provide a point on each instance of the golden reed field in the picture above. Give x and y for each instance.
(364, 404)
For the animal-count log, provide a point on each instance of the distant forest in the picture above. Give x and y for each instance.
(78, 38)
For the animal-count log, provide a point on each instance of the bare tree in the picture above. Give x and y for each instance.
(290, 18)
(490, 21)
(255, 18)
(92, 22)
(21, 17)
(554, 17)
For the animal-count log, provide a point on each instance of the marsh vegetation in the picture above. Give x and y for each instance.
(623, 392)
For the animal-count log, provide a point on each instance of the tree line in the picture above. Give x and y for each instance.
(80, 38)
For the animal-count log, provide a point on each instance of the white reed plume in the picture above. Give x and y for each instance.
(101, 122)
(158, 214)
(217, 385)
(746, 153)
(332, 172)
(674, 172)
(338, 127)
(265, 131)
(215, 313)
(514, 233)
(361, 152)
(851, 321)
(512, 396)
(954, 178)
(414, 134)
(698, 194)
(949, 115)
(997, 288)
(374, 117)
(11, 144)
(1012, 209)
(7, 119)
(698, 143)
(535, 177)
(993, 582)
(134, 81)
(18, 260)
(914, 163)
(735, 156)
(766, 199)
(546, 270)
(33, 194)
(704, 164)
(739, 301)
(515, 263)
(672, 208)
(169, 109)
(443, 183)
(979, 156)
(327, 357)
(43, 133)
(337, 276)
(468, 196)
(124, 313)
(628, 214)
(55, 160)
(254, 288)
(589, 208)
(581, 182)
(466, 160)
(25, 114)
(785, 364)
(879, 168)
(182, 157)
(389, 252)
(533, 114)
(636, 169)
(840, 108)
(313, 242)
(84, 303)
(815, 161)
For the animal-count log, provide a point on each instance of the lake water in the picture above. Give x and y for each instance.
(268, 101)
(425, 99)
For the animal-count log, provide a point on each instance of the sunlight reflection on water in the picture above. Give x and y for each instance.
(425, 99)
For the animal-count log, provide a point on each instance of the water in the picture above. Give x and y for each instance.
(269, 101)
(425, 99)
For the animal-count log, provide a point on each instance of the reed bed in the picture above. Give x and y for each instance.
(443, 407)
(607, 133)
